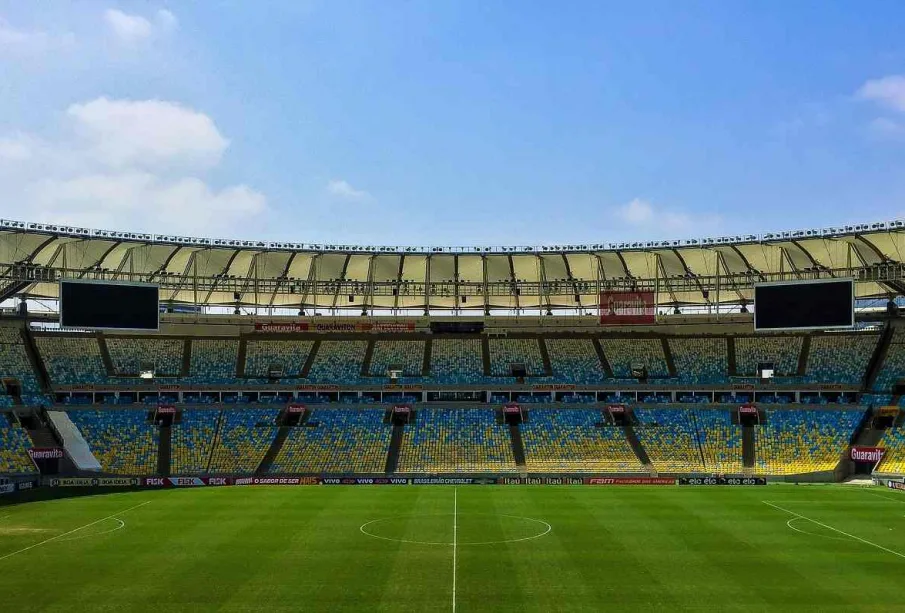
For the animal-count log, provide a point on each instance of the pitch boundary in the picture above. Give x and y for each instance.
(828, 527)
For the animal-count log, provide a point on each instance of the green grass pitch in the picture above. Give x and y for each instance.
(488, 548)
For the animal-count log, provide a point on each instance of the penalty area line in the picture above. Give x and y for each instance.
(828, 527)
(59, 536)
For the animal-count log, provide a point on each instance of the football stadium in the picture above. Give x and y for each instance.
(708, 423)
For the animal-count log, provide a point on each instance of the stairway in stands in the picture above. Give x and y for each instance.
(632, 438)
(164, 450)
(392, 461)
(518, 447)
(277, 445)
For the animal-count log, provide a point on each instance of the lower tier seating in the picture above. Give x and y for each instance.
(894, 460)
(456, 440)
(336, 441)
(14, 445)
(568, 440)
(121, 440)
(245, 436)
(670, 438)
(801, 441)
(192, 441)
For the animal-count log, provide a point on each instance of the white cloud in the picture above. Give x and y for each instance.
(125, 132)
(342, 189)
(888, 91)
(129, 165)
(30, 42)
(644, 216)
(131, 29)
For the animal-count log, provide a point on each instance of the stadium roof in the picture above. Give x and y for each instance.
(202, 271)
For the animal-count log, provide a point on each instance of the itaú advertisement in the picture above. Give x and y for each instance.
(627, 308)
(867, 454)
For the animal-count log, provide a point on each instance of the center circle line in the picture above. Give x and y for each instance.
(362, 529)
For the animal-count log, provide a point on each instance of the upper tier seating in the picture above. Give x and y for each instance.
(121, 439)
(622, 353)
(214, 361)
(407, 354)
(14, 446)
(568, 440)
(802, 441)
(894, 459)
(72, 360)
(893, 368)
(245, 436)
(840, 358)
(670, 438)
(338, 362)
(291, 355)
(193, 438)
(456, 441)
(457, 360)
(14, 361)
(700, 360)
(507, 351)
(343, 441)
(575, 361)
(783, 351)
(129, 354)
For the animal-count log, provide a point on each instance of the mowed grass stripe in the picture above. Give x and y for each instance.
(289, 549)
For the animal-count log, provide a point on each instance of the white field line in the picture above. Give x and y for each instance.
(59, 536)
(828, 527)
(455, 542)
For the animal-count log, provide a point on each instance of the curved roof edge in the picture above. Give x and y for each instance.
(188, 241)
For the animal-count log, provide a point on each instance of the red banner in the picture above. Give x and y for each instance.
(166, 409)
(304, 326)
(616, 408)
(630, 481)
(747, 409)
(46, 453)
(867, 454)
(295, 408)
(511, 408)
(632, 308)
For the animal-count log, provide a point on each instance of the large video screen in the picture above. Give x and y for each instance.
(108, 306)
(804, 305)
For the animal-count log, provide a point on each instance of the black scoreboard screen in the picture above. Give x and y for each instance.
(107, 305)
(804, 305)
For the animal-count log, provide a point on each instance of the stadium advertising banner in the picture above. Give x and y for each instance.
(96, 482)
(540, 481)
(185, 481)
(895, 485)
(621, 308)
(512, 408)
(304, 326)
(166, 409)
(747, 409)
(364, 481)
(46, 453)
(888, 411)
(630, 481)
(722, 481)
(295, 408)
(867, 454)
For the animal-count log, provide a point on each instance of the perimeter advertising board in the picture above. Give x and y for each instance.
(627, 308)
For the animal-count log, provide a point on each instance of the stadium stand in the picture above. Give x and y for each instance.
(894, 459)
(121, 440)
(456, 441)
(193, 439)
(336, 441)
(568, 440)
(338, 362)
(128, 355)
(14, 445)
(14, 361)
(721, 441)
(214, 361)
(457, 361)
(794, 441)
(893, 368)
(700, 360)
(622, 353)
(575, 361)
(291, 355)
(670, 438)
(245, 436)
(72, 360)
(783, 351)
(407, 354)
(840, 358)
(507, 351)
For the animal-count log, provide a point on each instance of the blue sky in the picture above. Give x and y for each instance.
(452, 122)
